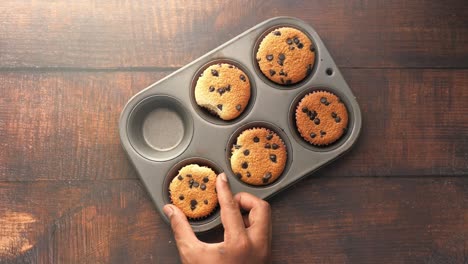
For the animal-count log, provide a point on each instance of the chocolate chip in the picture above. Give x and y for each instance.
(221, 91)
(312, 114)
(316, 121)
(191, 181)
(305, 110)
(180, 177)
(312, 48)
(269, 57)
(269, 136)
(296, 40)
(238, 175)
(313, 135)
(276, 33)
(181, 197)
(206, 201)
(273, 158)
(282, 73)
(333, 114)
(337, 119)
(242, 77)
(280, 62)
(246, 152)
(193, 204)
(323, 100)
(248, 175)
(281, 56)
(228, 88)
(322, 133)
(189, 175)
(220, 107)
(274, 146)
(266, 177)
(212, 88)
(203, 187)
(206, 179)
(300, 46)
(282, 80)
(214, 72)
(272, 72)
(289, 41)
(288, 81)
(267, 146)
(256, 139)
(237, 146)
(196, 184)
(238, 107)
(245, 165)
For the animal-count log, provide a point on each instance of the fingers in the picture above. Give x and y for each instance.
(260, 213)
(230, 212)
(183, 232)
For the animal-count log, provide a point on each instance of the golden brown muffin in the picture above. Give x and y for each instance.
(193, 191)
(321, 118)
(224, 90)
(286, 56)
(258, 157)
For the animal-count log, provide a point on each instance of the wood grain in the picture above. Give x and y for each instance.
(63, 126)
(322, 220)
(125, 34)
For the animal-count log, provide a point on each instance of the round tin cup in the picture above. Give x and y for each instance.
(259, 124)
(205, 113)
(160, 128)
(173, 172)
(297, 136)
(270, 82)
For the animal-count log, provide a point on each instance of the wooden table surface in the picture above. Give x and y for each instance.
(68, 193)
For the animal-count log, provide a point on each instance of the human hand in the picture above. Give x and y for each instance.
(247, 239)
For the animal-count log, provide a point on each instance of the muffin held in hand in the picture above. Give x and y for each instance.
(193, 191)
(286, 56)
(224, 90)
(321, 118)
(258, 156)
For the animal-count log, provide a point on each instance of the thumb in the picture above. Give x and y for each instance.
(183, 232)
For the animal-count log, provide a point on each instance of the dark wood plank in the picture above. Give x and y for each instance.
(322, 220)
(109, 34)
(64, 125)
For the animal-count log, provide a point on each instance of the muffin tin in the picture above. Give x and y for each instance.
(162, 128)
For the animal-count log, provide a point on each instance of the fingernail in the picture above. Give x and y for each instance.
(223, 177)
(168, 210)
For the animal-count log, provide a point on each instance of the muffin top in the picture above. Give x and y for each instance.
(321, 118)
(286, 56)
(224, 90)
(258, 157)
(193, 191)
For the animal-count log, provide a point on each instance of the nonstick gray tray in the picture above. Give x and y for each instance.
(162, 128)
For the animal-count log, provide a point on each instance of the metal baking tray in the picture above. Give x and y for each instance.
(162, 128)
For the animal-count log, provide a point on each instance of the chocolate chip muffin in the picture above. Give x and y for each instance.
(193, 191)
(224, 90)
(286, 56)
(321, 118)
(258, 156)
